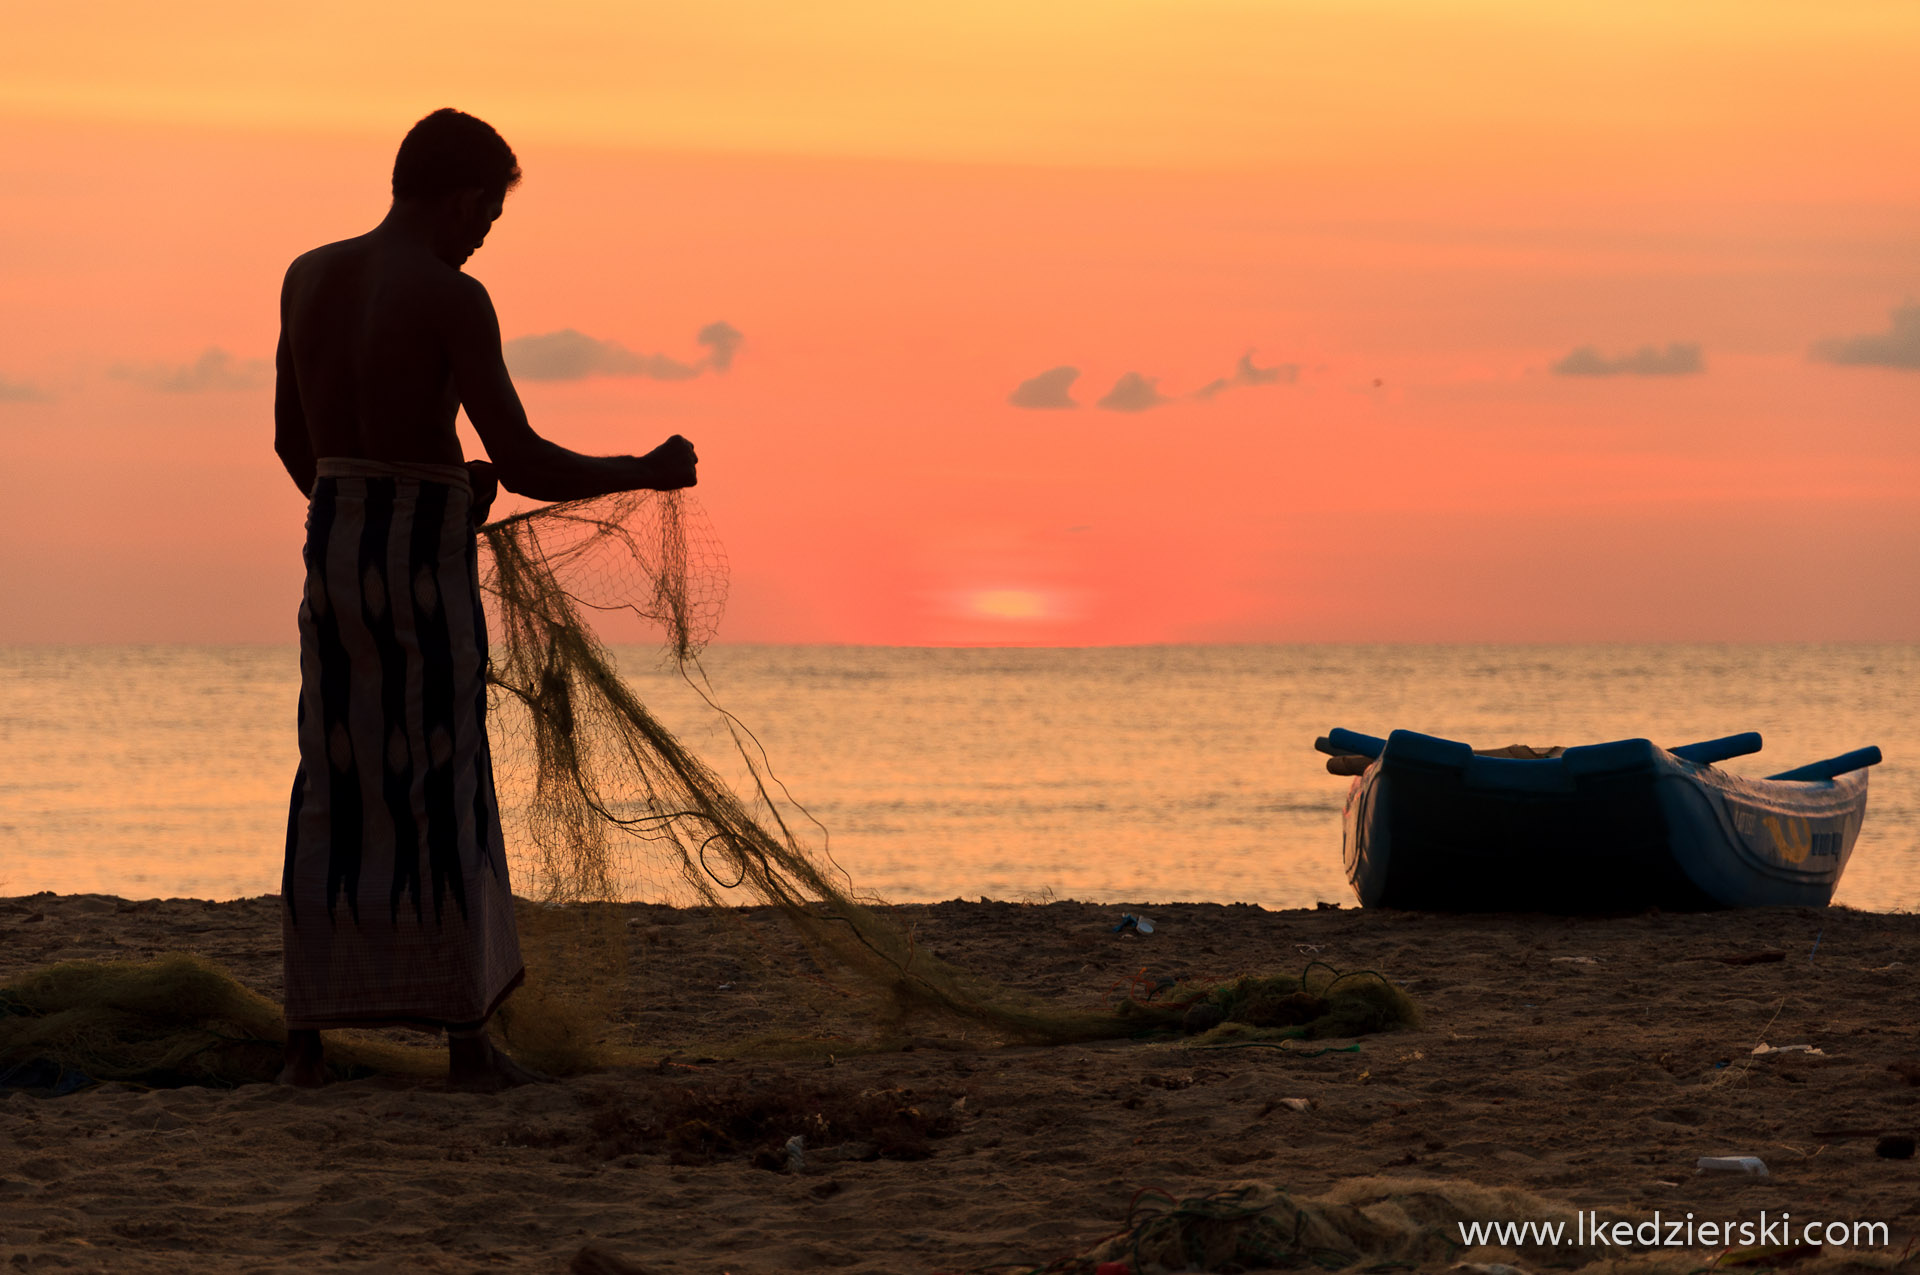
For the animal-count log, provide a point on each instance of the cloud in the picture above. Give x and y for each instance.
(1051, 389)
(214, 370)
(1133, 393)
(1678, 359)
(1898, 346)
(570, 355)
(721, 340)
(1246, 373)
(20, 392)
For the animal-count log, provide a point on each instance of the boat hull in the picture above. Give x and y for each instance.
(1612, 827)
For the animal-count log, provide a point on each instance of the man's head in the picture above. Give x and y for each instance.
(462, 169)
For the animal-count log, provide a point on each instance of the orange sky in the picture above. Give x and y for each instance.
(910, 210)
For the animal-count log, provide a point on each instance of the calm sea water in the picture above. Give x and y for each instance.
(1131, 773)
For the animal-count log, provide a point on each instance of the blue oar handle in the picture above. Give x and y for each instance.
(1709, 751)
(1834, 767)
(1351, 743)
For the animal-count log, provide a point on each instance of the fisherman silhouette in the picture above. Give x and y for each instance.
(395, 905)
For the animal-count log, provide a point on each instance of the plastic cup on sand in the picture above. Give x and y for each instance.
(1751, 1165)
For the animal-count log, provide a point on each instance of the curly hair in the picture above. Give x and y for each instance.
(450, 150)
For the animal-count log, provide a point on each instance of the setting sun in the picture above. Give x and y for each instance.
(1009, 604)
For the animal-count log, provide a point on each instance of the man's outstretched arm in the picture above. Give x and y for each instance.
(526, 463)
(290, 439)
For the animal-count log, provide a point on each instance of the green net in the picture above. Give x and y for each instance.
(1361, 1224)
(173, 1020)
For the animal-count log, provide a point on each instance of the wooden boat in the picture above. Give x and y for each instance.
(1619, 826)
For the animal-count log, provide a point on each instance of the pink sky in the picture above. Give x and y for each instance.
(1424, 475)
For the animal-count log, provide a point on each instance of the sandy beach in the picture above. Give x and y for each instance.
(1586, 1063)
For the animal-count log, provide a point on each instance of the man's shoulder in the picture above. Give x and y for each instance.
(324, 255)
(416, 275)
(467, 289)
(464, 303)
(310, 270)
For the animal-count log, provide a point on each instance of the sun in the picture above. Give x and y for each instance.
(1008, 604)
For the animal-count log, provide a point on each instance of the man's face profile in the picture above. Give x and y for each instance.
(474, 212)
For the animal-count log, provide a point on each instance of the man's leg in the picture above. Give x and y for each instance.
(305, 1064)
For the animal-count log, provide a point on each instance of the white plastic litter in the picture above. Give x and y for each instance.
(1751, 1165)
(1764, 1050)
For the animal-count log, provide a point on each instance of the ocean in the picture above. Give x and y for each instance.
(1109, 774)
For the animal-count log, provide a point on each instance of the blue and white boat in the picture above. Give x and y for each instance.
(1610, 827)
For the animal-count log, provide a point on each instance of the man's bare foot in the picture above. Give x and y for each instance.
(305, 1062)
(473, 1064)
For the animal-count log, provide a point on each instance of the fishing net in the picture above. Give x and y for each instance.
(604, 803)
(1365, 1224)
(174, 1020)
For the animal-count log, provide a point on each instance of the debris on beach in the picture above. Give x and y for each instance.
(1751, 1165)
(1363, 1223)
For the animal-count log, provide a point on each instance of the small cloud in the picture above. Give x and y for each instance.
(1678, 359)
(1136, 393)
(1051, 389)
(1247, 373)
(1898, 346)
(20, 392)
(570, 355)
(721, 340)
(214, 370)
(1133, 393)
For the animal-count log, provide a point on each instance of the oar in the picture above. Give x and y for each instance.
(1833, 767)
(1348, 753)
(1346, 743)
(1709, 751)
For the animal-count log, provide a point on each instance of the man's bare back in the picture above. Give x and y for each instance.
(365, 322)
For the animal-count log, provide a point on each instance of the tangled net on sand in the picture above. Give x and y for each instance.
(1364, 1224)
(174, 1020)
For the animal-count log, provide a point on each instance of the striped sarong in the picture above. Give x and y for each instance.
(395, 908)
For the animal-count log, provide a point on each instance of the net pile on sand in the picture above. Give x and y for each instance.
(1364, 1224)
(174, 1020)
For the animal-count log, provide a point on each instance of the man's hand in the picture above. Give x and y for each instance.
(670, 466)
